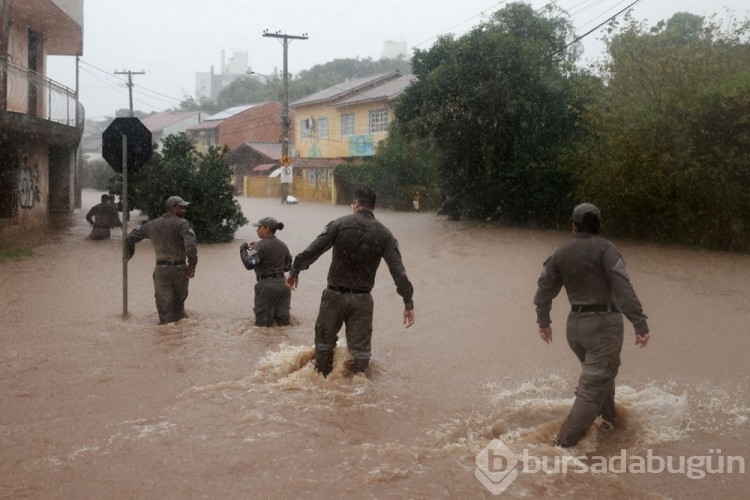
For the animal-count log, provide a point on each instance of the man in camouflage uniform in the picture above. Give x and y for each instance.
(174, 241)
(599, 290)
(359, 242)
(103, 216)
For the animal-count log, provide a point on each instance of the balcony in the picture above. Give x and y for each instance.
(32, 103)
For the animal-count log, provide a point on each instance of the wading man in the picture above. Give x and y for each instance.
(359, 242)
(599, 290)
(103, 216)
(174, 241)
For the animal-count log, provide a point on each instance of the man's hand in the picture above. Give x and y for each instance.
(408, 317)
(190, 272)
(545, 333)
(292, 281)
(642, 340)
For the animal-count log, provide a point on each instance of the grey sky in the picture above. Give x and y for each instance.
(171, 40)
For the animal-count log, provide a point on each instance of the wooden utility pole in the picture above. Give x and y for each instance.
(285, 113)
(130, 83)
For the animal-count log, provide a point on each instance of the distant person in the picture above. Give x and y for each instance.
(102, 217)
(270, 259)
(359, 242)
(598, 287)
(174, 241)
(452, 207)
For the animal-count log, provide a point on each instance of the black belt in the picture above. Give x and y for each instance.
(270, 276)
(342, 289)
(170, 262)
(594, 308)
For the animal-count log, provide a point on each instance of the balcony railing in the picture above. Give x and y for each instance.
(27, 92)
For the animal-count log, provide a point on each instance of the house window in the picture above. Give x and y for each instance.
(347, 124)
(379, 121)
(305, 127)
(322, 128)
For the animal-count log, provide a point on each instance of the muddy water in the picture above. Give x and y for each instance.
(96, 406)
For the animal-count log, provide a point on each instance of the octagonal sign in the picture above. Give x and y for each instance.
(139, 143)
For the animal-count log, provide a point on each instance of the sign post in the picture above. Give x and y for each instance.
(126, 145)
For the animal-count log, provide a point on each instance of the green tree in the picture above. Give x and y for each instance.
(202, 179)
(497, 102)
(667, 157)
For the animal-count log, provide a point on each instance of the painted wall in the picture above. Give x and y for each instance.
(336, 145)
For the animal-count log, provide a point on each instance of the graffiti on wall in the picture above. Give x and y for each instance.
(28, 185)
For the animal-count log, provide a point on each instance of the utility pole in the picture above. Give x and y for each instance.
(130, 83)
(285, 114)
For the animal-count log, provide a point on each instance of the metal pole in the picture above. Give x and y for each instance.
(124, 225)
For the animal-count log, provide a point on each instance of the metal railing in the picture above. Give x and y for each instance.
(25, 91)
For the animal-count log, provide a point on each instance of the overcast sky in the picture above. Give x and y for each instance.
(171, 40)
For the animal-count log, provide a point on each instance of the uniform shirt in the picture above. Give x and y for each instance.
(272, 256)
(593, 272)
(172, 237)
(103, 215)
(359, 242)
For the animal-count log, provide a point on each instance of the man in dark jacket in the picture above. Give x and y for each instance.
(103, 216)
(359, 242)
(174, 241)
(599, 290)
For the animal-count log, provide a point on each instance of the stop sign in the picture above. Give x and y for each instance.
(139, 143)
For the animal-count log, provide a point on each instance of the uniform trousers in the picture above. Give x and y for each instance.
(352, 309)
(170, 291)
(272, 302)
(596, 339)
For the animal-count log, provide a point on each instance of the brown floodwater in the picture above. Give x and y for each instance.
(96, 406)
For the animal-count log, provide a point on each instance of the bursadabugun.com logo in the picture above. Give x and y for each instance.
(497, 465)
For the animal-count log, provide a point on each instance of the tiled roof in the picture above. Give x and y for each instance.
(206, 125)
(160, 121)
(264, 167)
(344, 89)
(387, 90)
(230, 112)
(270, 149)
(316, 162)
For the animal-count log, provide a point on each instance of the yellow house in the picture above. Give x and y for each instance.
(347, 120)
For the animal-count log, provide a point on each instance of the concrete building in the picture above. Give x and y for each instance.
(211, 84)
(41, 121)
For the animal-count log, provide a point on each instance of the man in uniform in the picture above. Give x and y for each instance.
(599, 290)
(359, 242)
(174, 241)
(103, 216)
(270, 258)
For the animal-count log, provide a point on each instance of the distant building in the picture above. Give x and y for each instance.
(167, 123)
(394, 49)
(211, 84)
(41, 121)
(232, 127)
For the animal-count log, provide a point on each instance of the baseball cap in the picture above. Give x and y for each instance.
(175, 200)
(585, 208)
(268, 222)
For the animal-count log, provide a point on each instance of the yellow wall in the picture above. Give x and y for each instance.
(337, 146)
(270, 187)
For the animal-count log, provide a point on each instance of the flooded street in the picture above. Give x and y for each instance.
(96, 406)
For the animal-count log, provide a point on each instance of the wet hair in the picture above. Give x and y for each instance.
(366, 197)
(589, 224)
(279, 227)
(105, 198)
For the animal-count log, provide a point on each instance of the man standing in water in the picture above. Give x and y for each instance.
(359, 242)
(103, 216)
(174, 241)
(598, 287)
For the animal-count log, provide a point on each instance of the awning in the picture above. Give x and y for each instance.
(264, 167)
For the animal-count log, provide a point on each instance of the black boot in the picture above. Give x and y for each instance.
(323, 362)
(357, 365)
